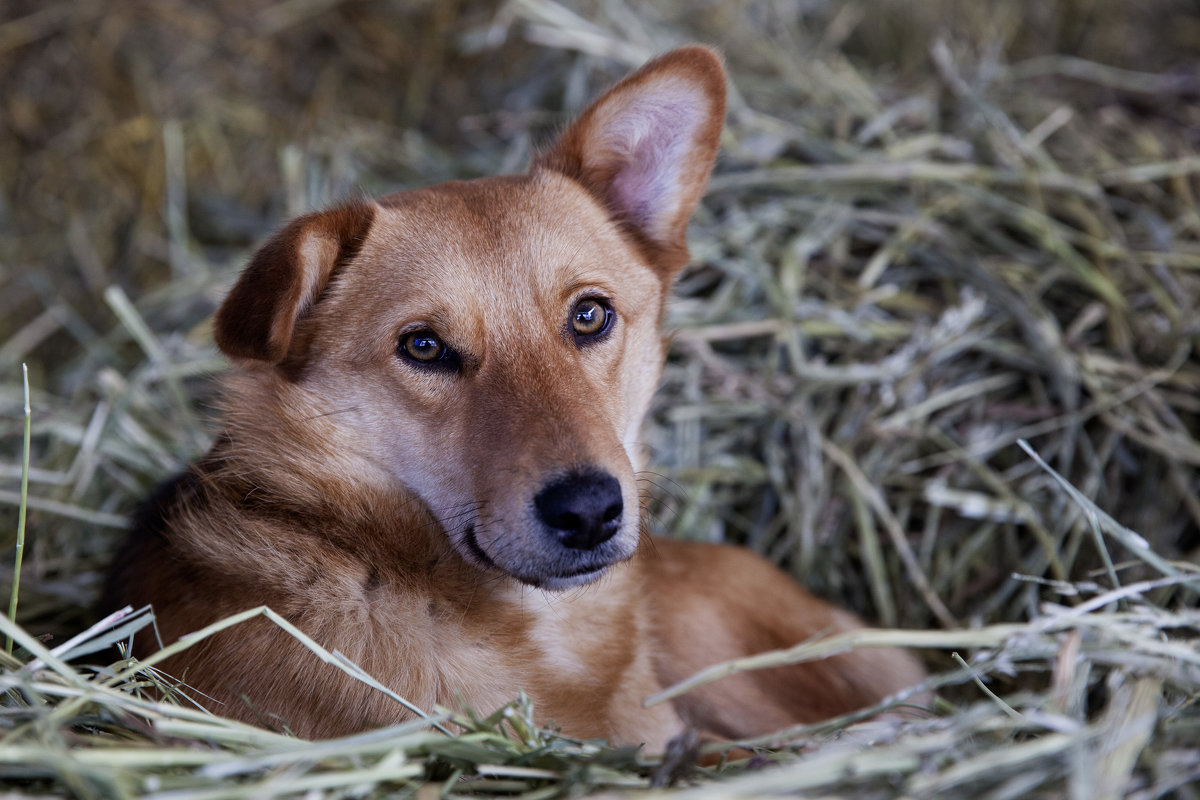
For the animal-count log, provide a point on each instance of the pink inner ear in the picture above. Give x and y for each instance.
(648, 139)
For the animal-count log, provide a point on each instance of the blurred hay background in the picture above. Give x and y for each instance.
(936, 229)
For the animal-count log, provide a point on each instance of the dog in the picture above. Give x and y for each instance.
(428, 459)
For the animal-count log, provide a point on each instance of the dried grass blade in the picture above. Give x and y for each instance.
(892, 526)
(1130, 540)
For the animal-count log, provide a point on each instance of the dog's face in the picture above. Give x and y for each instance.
(495, 345)
(492, 346)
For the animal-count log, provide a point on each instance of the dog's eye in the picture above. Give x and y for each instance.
(590, 320)
(423, 347)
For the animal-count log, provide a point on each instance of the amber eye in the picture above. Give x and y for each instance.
(590, 319)
(423, 347)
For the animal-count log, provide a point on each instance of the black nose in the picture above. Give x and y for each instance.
(583, 509)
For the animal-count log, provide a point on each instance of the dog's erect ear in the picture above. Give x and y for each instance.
(646, 147)
(285, 278)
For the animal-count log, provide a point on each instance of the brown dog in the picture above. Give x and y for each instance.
(431, 434)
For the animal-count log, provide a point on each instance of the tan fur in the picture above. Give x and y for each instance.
(389, 510)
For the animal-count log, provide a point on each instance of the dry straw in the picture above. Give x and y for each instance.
(934, 357)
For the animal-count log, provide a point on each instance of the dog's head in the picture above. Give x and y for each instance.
(492, 345)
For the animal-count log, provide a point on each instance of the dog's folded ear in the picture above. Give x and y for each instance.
(646, 147)
(285, 278)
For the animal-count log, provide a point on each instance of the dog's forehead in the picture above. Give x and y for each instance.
(513, 240)
(498, 226)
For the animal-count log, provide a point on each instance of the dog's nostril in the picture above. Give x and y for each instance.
(582, 509)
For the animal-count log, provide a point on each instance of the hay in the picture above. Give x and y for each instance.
(934, 357)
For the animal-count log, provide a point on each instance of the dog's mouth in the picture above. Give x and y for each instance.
(472, 543)
(556, 578)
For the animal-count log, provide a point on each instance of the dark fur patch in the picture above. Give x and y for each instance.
(147, 538)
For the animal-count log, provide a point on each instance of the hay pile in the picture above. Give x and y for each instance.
(939, 327)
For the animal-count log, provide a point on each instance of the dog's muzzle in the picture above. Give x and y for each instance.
(574, 533)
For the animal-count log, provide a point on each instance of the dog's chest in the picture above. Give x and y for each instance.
(569, 653)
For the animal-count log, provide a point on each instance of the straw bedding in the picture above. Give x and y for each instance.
(935, 356)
